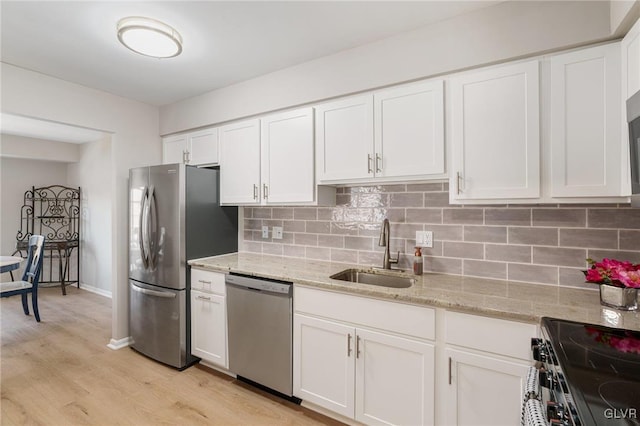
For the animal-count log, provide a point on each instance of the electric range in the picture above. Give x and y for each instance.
(587, 374)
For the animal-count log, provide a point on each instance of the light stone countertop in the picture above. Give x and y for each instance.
(500, 299)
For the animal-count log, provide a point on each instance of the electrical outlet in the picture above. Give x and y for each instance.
(428, 239)
(424, 238)
(265, 232)
(277, 232)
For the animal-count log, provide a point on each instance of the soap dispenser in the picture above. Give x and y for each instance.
(417, 261)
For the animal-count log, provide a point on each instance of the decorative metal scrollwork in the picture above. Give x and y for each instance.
(52, 211)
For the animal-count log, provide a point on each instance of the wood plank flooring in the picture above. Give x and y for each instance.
(60, 372)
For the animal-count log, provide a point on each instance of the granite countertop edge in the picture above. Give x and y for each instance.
(519, 301)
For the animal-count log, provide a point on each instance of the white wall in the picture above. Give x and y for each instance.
(93, 174)
(134, 142)
(493, 34)
(16, 177)
(38, 149)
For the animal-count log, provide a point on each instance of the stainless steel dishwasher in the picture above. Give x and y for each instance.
(260, 323)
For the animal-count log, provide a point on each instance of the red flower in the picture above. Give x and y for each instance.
(613, 272)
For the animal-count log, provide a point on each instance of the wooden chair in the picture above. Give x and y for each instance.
(30, 277)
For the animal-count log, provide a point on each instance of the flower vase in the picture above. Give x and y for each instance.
(622, 298)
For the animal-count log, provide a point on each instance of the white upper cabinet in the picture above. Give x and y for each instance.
(344, 139)
(630, 49)
(203, 147)
(585, 118)
(495, 133)
(409, 130)
(195, 148)
(393, 134)
(630, 62)
(240, 158)
(271, 161)
(174, 149)
(288, 157)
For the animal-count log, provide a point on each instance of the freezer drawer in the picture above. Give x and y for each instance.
(157, 323)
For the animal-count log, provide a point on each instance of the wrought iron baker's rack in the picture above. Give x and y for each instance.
(53, 211)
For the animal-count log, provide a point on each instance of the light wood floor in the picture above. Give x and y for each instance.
(60, 372)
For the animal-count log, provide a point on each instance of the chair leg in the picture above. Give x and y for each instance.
(25, 306)
(34, 302)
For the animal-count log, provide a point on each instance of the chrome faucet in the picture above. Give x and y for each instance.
(385, 238)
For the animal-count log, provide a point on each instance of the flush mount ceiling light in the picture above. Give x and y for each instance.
(149, 37)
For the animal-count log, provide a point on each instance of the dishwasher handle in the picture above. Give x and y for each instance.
(278, 287)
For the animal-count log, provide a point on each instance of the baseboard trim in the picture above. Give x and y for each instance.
(116, 344)
(96, 290)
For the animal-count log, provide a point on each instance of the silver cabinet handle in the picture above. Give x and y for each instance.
(203, 297)
(357, 346)
(265, 191)
(450, 361)
(255, 191)
(458, 178)
(204, 282)
(378, 163)
(369, 164)
(349, 345)
(185, 156)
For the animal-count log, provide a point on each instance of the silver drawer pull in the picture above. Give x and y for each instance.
(203, 298)
(204, 282)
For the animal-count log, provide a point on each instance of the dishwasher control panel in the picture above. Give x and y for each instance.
(260, 284)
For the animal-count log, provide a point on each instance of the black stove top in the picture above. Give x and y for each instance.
(601, 366)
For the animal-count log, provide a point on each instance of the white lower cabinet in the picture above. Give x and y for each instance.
(373, 377)
(394, 379)
(365, 359)
(209, 317)
(487, 359)
(324, 369)
(483, 389)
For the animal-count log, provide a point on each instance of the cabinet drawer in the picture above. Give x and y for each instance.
(396, 317)
(494, 335)
(212, 282)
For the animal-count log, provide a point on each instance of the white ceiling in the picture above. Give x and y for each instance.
(224, 42)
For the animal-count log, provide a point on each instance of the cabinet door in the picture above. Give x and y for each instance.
(203, 147)
(240, 158)
(630, 46)
(288, 157)
(585, 123)
(174, 149)
(495, 133)
(483, 390)
(323, 363)
(394, 380)
(344, 139)
(630, 62)
(409, 130)
(209, 327)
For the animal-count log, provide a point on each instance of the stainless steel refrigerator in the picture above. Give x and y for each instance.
(174, 216)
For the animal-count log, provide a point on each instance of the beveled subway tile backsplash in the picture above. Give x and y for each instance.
(542, 244)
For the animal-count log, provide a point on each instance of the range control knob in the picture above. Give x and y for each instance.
(539, 350)
(555, 411)
(547, 379)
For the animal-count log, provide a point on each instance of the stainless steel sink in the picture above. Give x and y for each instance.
(373, 278)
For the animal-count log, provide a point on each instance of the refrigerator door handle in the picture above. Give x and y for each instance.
(142, 228)
(165, 294)
(153, 233)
